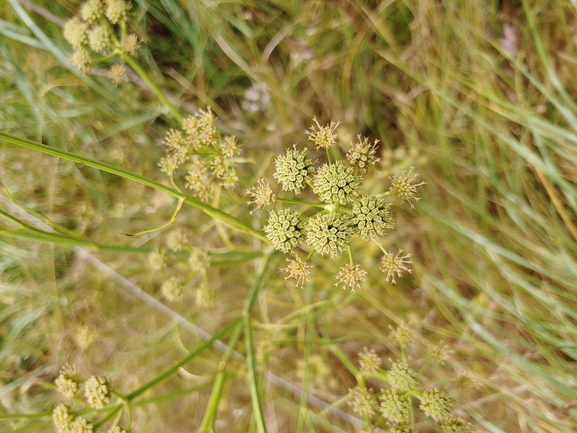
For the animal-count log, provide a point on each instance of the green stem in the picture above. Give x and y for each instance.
(329, 158)
(226, 219)
(25, 415)
(155, 89)
(344, 359)
(188, 358)
(383, 194)
(254, 391)
(304, 203)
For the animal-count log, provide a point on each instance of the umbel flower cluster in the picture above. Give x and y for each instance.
(395, 404)
(99, 34)
(200, 150)
(97, 393)
(341, 212)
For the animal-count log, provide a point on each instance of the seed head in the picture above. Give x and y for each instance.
(362, 154)
(371, 217)
(395, 264)
(196, 174)
(456, 425)
(262, 194)
(362, 401)
(99, 39)
(97, 391)
(199, 259)
(117, 74)
(173, 289)
(402, 187)
(81, 59)
(395, 407)
(62, 417)
(292, 169)
(402, 377)
(465, 380)
(328, 233)
(205, 296)
(403, 334)
(116, 429)
(369, 360)
(177, 240)
(157, 259)
(437, 404)
(76, 32)
(201, 129)
(323, 136)
(92, 11)
(229, 146)
(66, 382)
(439, 353)
(284, 230)
(117, 11)
(336, 183)
(351, 275)
(80, 425)
(299, 270)
(130, 44)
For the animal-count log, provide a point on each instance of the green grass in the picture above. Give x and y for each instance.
(493, 134)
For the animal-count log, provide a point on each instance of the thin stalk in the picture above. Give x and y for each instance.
(254, 391)
(304, 203)
(226, 219)
(174, 368)
(155, 89)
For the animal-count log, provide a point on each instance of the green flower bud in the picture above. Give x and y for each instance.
(328, 233)
(336, 183)
(284, 230)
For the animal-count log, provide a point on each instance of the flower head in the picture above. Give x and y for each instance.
(262, 194)
(130, 44)
(97, 391)
(403, 189)
(80, 425)
(229, 146)
(351, 275)
(395, 407)
(437, 404)
(336, 183)
(117, 74)
(403, 334)
(116, 429)
(177, 240)
(439, 353)
(362, 401)
(299, 270)
(201, 129)
(323, 136)
(395, 264)
(284, 230)
(199, 259)
(117, 11)
(328, 233)
(371, 217)
(91, 10)
(157, 259)
(402, 377)
(173, 289)
(456, 425)
(76, 32)
(369, 360)
(403, 429)
(81, 59)
(362, 154)
(62, 418)
(66, 382)
(292, 169)
(99, 39)
(205, 296)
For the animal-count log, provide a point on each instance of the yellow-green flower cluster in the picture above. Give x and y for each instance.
(437, 404)
(97, 391)
(94, 29)
(402, 377)
(395, 406)
(199, 149)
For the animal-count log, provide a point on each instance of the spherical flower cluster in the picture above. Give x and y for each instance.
(62, 418)
(173, 289)
(362, 154)
(395, 264)
(439, 353)
(403, 189)
(323, 136)
(116, 429)
(403, 335)
(199, 259)
(336, 183)
(157, 259)
(299, 270)
(369, 360)
(80, 425)
(403, 429)
(81, 59)
(437, 404)
(402, 377)
(292, 169)
(66, 383)
(284, 230)
(262, 194)
(456, 425)
(76, 32)
(177, 240)
(99, 39)
(92, 11)
(395, 407)
(117, 11)
(351, 275)
(371, 217)
(362, 401)
(201, 130)
(130, 44)
(205, 296)
(97, 392)
(328, 233)
(117, 74)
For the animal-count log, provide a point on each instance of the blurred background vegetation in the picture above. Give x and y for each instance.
(478, 95)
